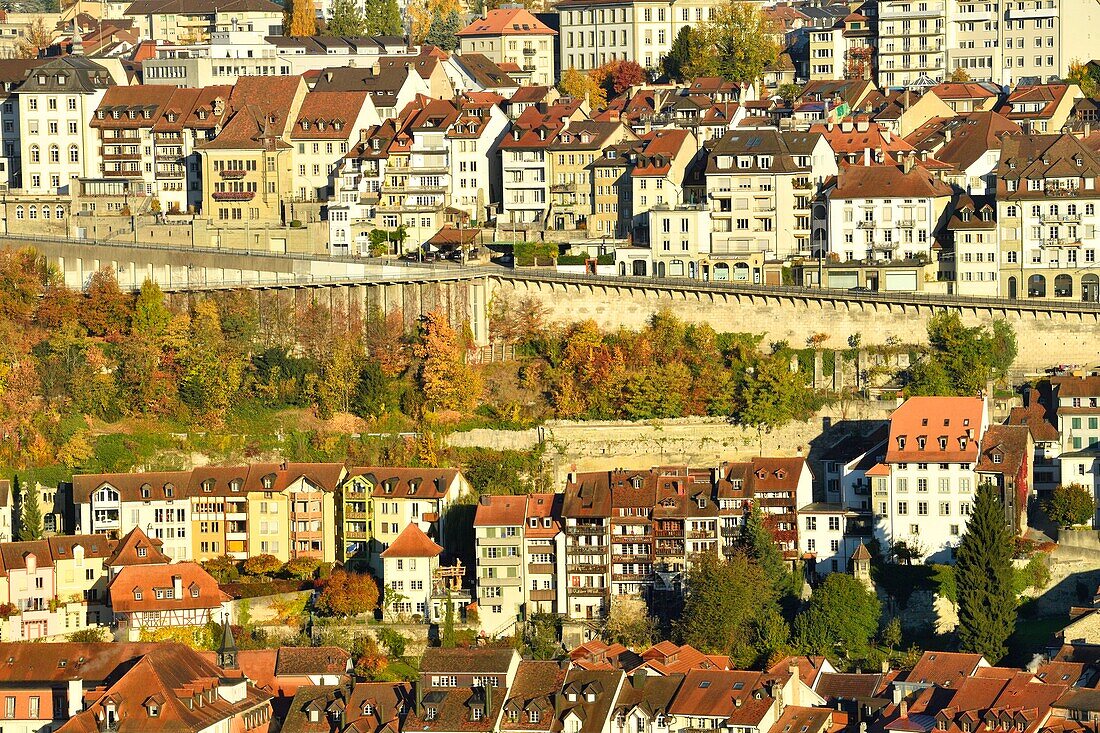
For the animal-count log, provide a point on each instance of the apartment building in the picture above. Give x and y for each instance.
(499, 526)
(760, 184)
(525, 164)
(658, 173)
(56, 105)
(1041, 108)
(148, 133)
(474, 140)
(882, 213)
(327, 124)
(353, 212)
(379, 502)
(974, 264)
(513, 36)
(196, 21)
(1046, 211)
(544, 555)
(571, 156)
(912, 42)
(249, 165)
(586, 516)
(1041, 38)
(595, 32)
(1076, 406)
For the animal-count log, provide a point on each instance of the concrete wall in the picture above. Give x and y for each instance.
(1046, 331)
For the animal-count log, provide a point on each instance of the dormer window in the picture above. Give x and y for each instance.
(429, 713)
(941, 724)
(314, 715)
(368, 709)
(781, 474)
(235, 485)
(202, 114)
(476, 713)
(533, 522)
(320, 124)
(921, 441)
(115, 114)
(305, 124)
(962, 443)
(137, 595)
(998, 458)
(636, 482)
(546, 522)
(337, 125)
(533, 716)
(142, 552)
(901, 442)
(169, 491)
(62, 78)
(943, 443)
(145, 492)
(208, 485)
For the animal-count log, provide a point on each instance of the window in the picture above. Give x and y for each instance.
(811, 523)
(903, 508)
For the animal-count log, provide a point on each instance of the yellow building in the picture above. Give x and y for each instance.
(292, 511)
(80, 579)
(248, 169)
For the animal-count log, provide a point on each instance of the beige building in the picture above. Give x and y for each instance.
(572, 155)
(248, 167)
(594, 32)
(327, 124)
(195, 21)
(499, 549)
(912, 41)
(513, 36)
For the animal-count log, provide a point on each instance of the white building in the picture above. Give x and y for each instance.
(513, 35)
(408, 568)
(499, 549)
(157, 503)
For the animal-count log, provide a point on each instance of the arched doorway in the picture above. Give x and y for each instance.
(1090, 288)
(1036, 286)
(1012, 288)
(721, 271)
(741, 272)
(639, 268)
(622, 269)
(693, 269)
(660, 269)
(1063, 286)
(676, 268)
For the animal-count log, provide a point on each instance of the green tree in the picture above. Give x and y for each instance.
(962, 360)
(727, 600)
(737, 43)
(212, 373)
(841, 617)
(142, 356)
(771, 395)
(347, 19)
(383, 19)
(541, 637)
(983, 572)
(30, 515)
(1084, 76)
(1070, 505)
(760, 546)
(443, 31)
(891, 634)
(678, 56)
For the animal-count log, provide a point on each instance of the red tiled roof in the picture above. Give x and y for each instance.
(497, 511)
(956, 419)
(200, 590)
(412, 542)
(507, 22)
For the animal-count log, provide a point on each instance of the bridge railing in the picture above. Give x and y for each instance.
(886, 297)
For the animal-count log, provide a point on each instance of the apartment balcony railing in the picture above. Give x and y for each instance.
(906, 223)
(233, 173)
(866, 225)
(1060, 219)
(584, 567)
(588, 591)
(233, 195)
(584, 529)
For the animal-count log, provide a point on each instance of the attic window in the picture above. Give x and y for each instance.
(636, 482)
(131, 114)
(208, 485)
(169, 491)
(137, 595)
(61, 78)
(429, 714)
(320, 124)
(142, 552)
(901, 442)
(704, 684)
(962, 443)
(338, 125)
(987, 215)
(533, 521)
(194, 591)
(202, 114)
(145, 492)
(235, 485)
(154, 711)
(171, 116)
(921, 442)
(546, 522)
(781, 474)
(305, 124)
(611, 154)
(943, 443)
(100, 114)
(997, 458)
(314, 715)
(368, 709)
(116, 114)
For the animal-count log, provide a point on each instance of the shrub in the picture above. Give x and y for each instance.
(347, 594)
(261, 565)
(1070, 505)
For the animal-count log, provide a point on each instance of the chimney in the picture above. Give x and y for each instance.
(903, 709)
(572, 478)
(866, 156)
(907, 163)
(74, 697)
(947, 135)
(637, 678)
(484, 500)
(796, 684)
(488, 694)
(895, 694)
(177, 587)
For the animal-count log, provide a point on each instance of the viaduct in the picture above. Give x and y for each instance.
(1048, 331)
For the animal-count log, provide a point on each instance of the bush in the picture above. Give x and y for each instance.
(295, 224)
(1071, 505)
(393, 640)
(224, 569)
(92, 634)
(347, 594)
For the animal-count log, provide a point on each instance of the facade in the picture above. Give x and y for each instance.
(499, 526)
(147, 597)
(198, 21)
(571, 156)
(409, 567)
(513, 36)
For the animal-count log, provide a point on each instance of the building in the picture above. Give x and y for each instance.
(525, 164)
(912, 43)
(1075, 403)
(513, 36)
(249, 165)
(147, 597)
(1046, 208)
(571, 156)
(544, 555)
(408, 572)
(327, 124)
(974, 264)
(499, 526)
(462, 689)
(115, 504)
(56, 105)
(594, 32)
(199, 21)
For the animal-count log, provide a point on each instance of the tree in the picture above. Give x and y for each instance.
(422, 13)
(383, 18)
(212, 373)
(30, 514)
(891, 634)
(628, 623)
(541, 637)
(842, 615)
(443, 31)
(369, 659)
(726, 601)
(1084, 76)
(303, 18)
(261, 565)
(579, 85)
(760, 546)
(789, 92)
(347, 19)
(678, 57)
(960, 74)
(105, 310)
(983, 572)
(621, 75)
(301, 568)
(144, 353)
(394, 641)
(37, 38)
(1070, 505)
(340, 374)
(770, 395)
(737, 44)
(446, 379)
(347, 594)
(962, 360)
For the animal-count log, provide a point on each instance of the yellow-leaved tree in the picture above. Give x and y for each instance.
(737, 44)
(421, 13)
(446, 379)
(303, 19)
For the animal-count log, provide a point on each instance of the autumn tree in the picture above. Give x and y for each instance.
(303, 19)
(737, 43)
(30, 513)
(211, 375)
(621, 75)
(629, 623)
(1085, 76)
(261, 565)
(421, 14)
(144, 353)
(36, 38)
(579, 85)
(960, 75)
(447, 381)
(384, 341)
(105, 310)
(347, 594)
(347, 19)
(339, 376)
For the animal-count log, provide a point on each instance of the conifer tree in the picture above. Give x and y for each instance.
(347, 19)
(983, 572)
(760, 546)
(383, 18)
(30, 524)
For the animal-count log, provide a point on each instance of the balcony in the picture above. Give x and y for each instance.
(529, 51)
(169, 138)
(123, 174)
(1063, 219)
(563, 188)
(631, 558)
(536, 568)
(546, 594)
(600, 552)
(122, 156)
(362, 516)
(865, 225)
(583, 529)
(632, 576)
(883, 246)
(121, 138)
(701, 535)
(233, 173)
(586, 568)
(173, 172)
(1031, 13)
(581, 591)
(350, 535)
(352, 495)
(233, 195)
(890, 11)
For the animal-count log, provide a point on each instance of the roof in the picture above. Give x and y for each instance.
(884, 181)
(200, 7)
(261, 109)
(133, 590)
(1037, 419)
(135, 548)
(1005, 449)
(733, 695)
(948, 427)
(507, 22)
(536, 685)
(407, 483)
(91, 662)
(328, 115)
(944, 668)
(498, 511)
(363, 707)
(1040, 157)
(63, 547)
(294, 660)
(412, 542)
(839, 686)
(491, 660)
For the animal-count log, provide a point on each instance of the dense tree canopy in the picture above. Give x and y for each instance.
(962, 360)
(1070, 505)
(737, 43)
(347, 594)
(842, 618)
